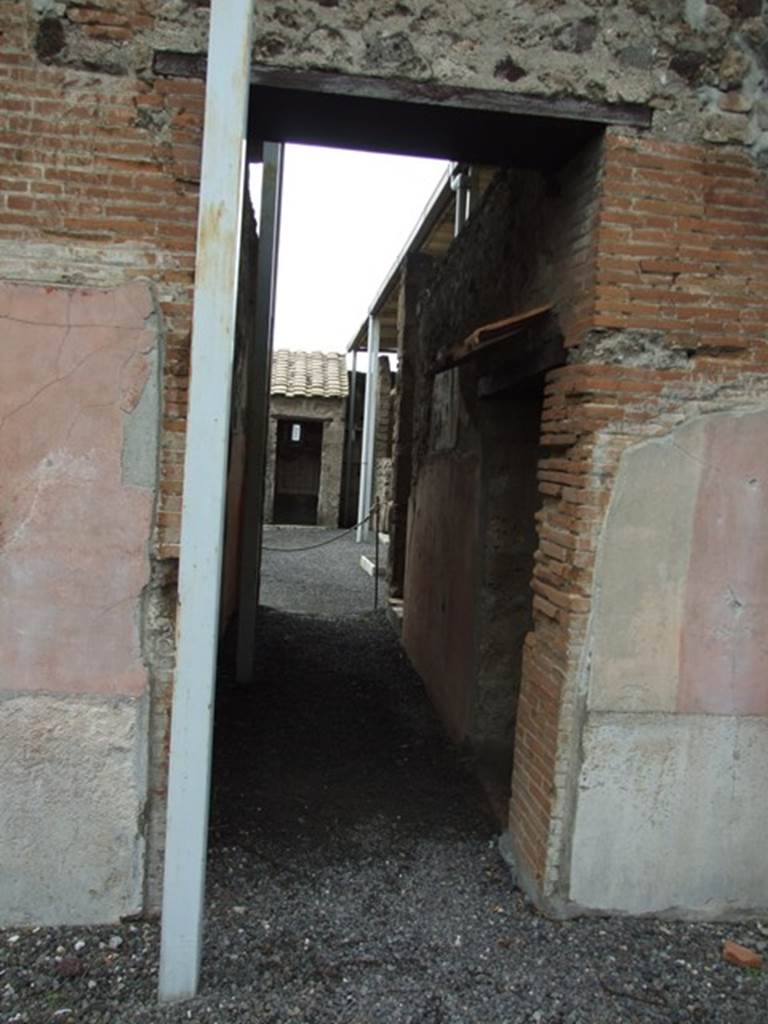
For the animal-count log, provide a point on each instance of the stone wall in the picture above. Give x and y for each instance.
(699, 65)
(331, 412)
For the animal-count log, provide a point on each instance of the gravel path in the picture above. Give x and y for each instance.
(326, 580)
(354, 879)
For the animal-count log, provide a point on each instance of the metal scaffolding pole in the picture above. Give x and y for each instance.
(203, 509)
(367, 461)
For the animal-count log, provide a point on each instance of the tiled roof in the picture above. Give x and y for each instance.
(309, 374)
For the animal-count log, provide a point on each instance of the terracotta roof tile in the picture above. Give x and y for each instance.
(309, 374)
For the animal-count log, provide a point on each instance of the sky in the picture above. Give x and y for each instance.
(346, 216)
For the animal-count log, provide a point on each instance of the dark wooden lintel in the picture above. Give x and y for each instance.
(631, 115)
(488, 336)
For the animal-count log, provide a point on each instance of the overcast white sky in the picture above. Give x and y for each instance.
(346, 216)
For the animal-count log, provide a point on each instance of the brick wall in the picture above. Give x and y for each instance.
(99, 180)
(679, 326)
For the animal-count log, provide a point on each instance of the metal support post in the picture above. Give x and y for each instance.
(205, 465)
(368, 458)
(460, 183)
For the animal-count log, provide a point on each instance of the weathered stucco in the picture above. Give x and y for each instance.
(670, 812)
(72, 791)
(73, 548)
(671, 815)
(78, 450)
(681, 583)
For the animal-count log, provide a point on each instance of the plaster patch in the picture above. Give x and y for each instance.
(141, 424)
(681, 579)
(73, 533)
(671, 815)
(723, 647)
(641, 574)
(72, 785)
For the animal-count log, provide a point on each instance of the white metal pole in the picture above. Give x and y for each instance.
(202, 527)
(367, 459)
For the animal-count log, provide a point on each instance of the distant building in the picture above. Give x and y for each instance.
(306, 438)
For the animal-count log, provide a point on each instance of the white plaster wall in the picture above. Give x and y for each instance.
(72, 785)
(672, 815)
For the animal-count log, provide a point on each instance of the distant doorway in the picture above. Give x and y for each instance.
(297, 471)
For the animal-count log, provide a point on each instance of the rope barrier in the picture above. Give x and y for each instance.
(322, 543)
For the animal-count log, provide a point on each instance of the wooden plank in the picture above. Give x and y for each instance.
(488, 335)
(634, 115)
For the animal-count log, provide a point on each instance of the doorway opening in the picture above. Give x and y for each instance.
(297, 471)
(426, 126)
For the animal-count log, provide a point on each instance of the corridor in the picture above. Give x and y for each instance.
(355, 865)
(354, 879)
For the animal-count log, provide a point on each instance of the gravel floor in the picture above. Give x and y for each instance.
(354, 879)
(325, 580)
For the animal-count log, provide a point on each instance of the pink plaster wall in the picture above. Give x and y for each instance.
(73, 536)
(724, 643)
(441, 586)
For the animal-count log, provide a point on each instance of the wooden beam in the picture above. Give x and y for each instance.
(487, 336)
(632, 115)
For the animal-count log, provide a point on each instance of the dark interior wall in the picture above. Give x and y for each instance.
(472, 529)
(244, 342)
(297, 471)
(509, 428)
(417, 270)
(353, 442)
